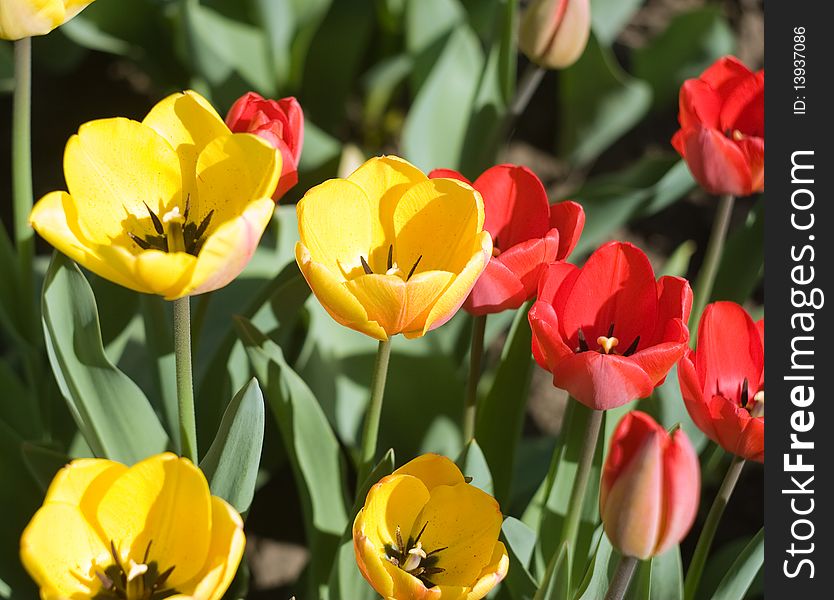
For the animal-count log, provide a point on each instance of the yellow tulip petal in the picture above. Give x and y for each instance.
(408, 587)
(383, 297)
(74, 7)
(83, 483)
(466, 521)
(59, 550)
(113, 167)
(151, 271)
(433, 470)
(225, 553)
(449, 303)
(228, 249)
(54, 217)
(334, 224)
(422, 290)
(25, 18)
(334, 296)
(393, 502)
(189, 123)
(385, 179)
(232, 172)
(492, 574)
(371, 563)
(438, 220)
(165, 500)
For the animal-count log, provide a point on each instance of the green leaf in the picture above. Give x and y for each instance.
(231, 463)
(43, 462)
(383, 468)
(667, 407)
(87, 33)
(18, 405)
(312, 447)
(678, 262)
(435, 128)
(743, 571)
(501, 412)
(472, 463)
(520, 541)
(556, 583)
(602, 565)
(609, 17)
(742, 264)
(690, 44)
(667, 576)
(111, 411)
(599, 103)
(159, 346)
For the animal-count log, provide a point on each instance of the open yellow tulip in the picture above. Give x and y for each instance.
(388, 250)
(25, 18)
(151, 531)
(426, 534)
(174, 205)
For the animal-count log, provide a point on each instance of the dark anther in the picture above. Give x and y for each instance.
(414, 267)
(436, 550)
(187, 207)
(400, 544)
(368, 270)
(147, 552)
(419, 535)
(633, 348)
(390, 256)
(728, 133)
(610, 331)
(157, 224)
(139, 241)
(583, 345)
(468, 479)
(744, 393)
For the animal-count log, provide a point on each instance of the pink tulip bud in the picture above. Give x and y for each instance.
(554, 33)
(650, 487)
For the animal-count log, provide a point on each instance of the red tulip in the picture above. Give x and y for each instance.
(609, 332)
(279, 122)
(722, 128)
(527, 234)
(650, 487)
(722, 381)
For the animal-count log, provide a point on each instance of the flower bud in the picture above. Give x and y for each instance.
(554, 33)
(25, 18)
(650, 487)
(279, 122)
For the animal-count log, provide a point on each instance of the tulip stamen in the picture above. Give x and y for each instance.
(745, 395)
(633, 347)
(139, 581)
(414, 267)
(390, 262)
(583, 344)
(365, 266)
(758, 405)
(182, 235)
(412, 558)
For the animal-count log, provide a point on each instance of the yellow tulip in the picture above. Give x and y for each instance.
(426, 534)
(388, 250)
(25, 18)
(145, 532)
(174, 205)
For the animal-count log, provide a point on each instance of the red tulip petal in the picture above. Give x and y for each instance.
(729, 350)
(736, 431)
(448, 174)
(554, 277)
(569, 218)
(681, 490)
(295, 119)
(724, 71)
(528, 259)
(515, 204)
(716, 162)
(616, 286)
(699, 105)
(548, 345)
(743, 107)
(751, 443)
(693, 396)
(753, 150)
(657, 360)
(497, 289)
(674, 302)
(601, 381)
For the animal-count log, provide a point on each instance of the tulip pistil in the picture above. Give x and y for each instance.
(174, 232)
(134, 581)
(412, 558)
(391, 267)
(607, 343)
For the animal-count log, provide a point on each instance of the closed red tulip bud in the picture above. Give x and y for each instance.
(554, 33)
(722, 128)
(609, 332)
(528, 233)
(650, 487)
(279, 122)
(722, 381)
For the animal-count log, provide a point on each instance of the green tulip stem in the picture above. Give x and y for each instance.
(527, 86)
(370, 431)
(22, 169)
(712, 260)
(185, 385)
(622, 578)
(476, 353)
(699, 558)
(580, 482)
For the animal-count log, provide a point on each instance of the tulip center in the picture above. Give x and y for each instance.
(134, 581)
(606, 343)
(412, 558)
(174, 232)
(391, 267)
(754, 405)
